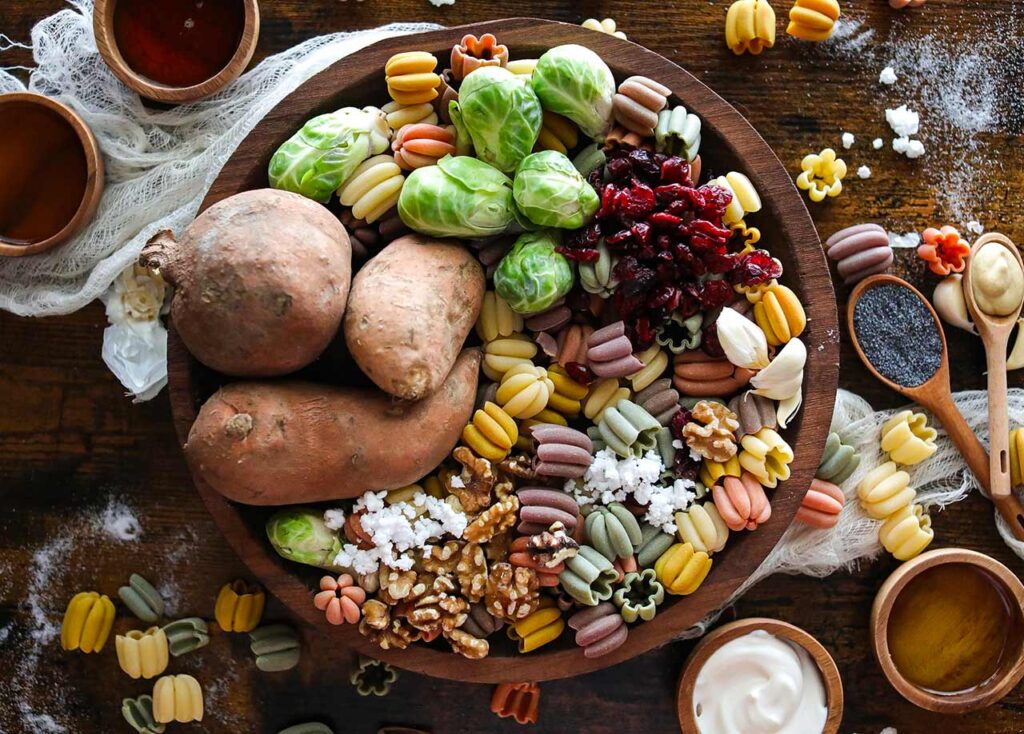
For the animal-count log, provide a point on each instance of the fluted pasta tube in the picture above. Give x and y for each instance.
(628, 429)
(766, 456)
(557, 133)
(780, 314)
(741, 502)
(501, 355)
(602, 395)
(838, 461)
(702, 527)
(373, 188)
(492, 432)
(655, 362)
(524, 390)
(681, 569)
(497, 319)
(750, 26)
(143, 654)
(908, 439)
(410, 77)
(813, 20)
(885, 490)
(399, 115)
(906, 532)
(177, 698)
(637, 103)
(821, 505)
(568, 395)
(745, 199)
(538, 628)
(588, 577)
(711, 472)
(239, 607)
(613, 531)
(599, 629)
(87, 622)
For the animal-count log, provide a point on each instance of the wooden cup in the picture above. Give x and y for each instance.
(103, 29)
(729, 632)
(93, 172)
(1011, 667)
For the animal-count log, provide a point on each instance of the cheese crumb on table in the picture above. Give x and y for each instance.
(848, 140)
(888, 76)
(975, 227)
(908, 240)
(903, 121)
(864, 172)
(877, 143)
(909, 148)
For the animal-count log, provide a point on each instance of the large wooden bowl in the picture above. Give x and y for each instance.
(729, 142)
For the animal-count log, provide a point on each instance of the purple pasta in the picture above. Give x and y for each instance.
(754, 412)
(610, 353)
(561, 451)
(659, 399)
(539, 507)
(860, 251)
(599, 629)
(552, 319)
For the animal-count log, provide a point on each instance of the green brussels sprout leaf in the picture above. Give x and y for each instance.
(533, 275)
(550, 192)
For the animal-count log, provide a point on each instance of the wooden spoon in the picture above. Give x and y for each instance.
(995, 334)
(935, 395)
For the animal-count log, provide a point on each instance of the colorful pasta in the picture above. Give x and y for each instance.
(522, 67)
(906, 532)
(340, 599)
(492, 433)
(627, 429)
(711, 472)
(276, 647)
(679, 335)
(639, 596)
(702, 527)
(520, 555)
(1017, 456)
(653, 542)
(87, 622)
(541, 507)
(567, 398)
(697, 374)
(410, 77)
(399, 115)
(372, 677)
(813, 20)
(860, 251)
(599, 629)
(780, 315)
(637, 103)
(472, 53)
(501, 355)
(766, 456)
(524, 390)
(681, 569)
(538, 628)
(885, 490)
(598, 277)
(745, 199)
(908, 439)
(557, 133)
(838, 461)
(944, 250)
(655, 362)
(422, 144)
(602, 395)
(239, 607)
(607, 26)
(373, 188)
(142, 654)
(588, 577)
(659, 399)
(678, 133)
(177, 698)
(741, 502)
(610, 353)
(518, 701)
(821, 175)
(821, 505)
(613, 531)
(753, 413)
(497, 319)
(138, 712)
(142, 599)
(186, 635)
(561, 451)
(750, 27)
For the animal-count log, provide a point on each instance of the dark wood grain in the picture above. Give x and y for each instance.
(68, 437)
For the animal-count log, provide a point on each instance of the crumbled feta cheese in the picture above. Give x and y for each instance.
(864, 172)
(903, 121)
(334, 519)
(457, 482)
(888, 76)
(910, 239)
(877, 143)
(975, 227)
(909, 148)
(848, 140)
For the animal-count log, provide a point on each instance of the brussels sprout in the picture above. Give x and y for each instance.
(321, 156)
(574, 82)
(532, 276)
(459, 197)
(501, 113)
(551, 192)
(299, 534)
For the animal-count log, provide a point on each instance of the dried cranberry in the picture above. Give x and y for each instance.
(709, 341)
(676, 170)
(579, 372)
(618, 169)
(685, 466)
(715, 293)
(755, 267)
(679, 420)
(644, 165)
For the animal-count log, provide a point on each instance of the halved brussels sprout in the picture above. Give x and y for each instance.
(573, 81)
(551, 192)
(299, 534)
(532, 276)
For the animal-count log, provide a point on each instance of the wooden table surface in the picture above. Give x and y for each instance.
(75, 455)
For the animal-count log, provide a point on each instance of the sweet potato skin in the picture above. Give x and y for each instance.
(260, 281)
(289, 442)
(409, 312)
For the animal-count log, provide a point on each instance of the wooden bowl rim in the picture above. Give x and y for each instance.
(957, 703)
(106, 43)
(726, 633)
(94, 175)
(809, 271)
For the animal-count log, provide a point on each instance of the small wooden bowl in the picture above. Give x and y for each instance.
(728, 633)
(103, 29)
(93, 172)
(1011, 668)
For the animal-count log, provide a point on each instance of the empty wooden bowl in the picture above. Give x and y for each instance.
(1010, 668)
(129, 50)
(729, 632)
(52, 173)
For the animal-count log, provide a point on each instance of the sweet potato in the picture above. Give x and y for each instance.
(409, 312)
(260, 282)
(278, 443)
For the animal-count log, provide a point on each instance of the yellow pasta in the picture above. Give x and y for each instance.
(750, 235)
(524, 390)
(143, 654)
(813, 20)
(87, 622)
(885, 490)
(567, 397)
(712, 471)
(557, 133)
(681, 569)
(603, 26)
(702, 527)
(780, 314)
(906, 532)
(239, 607)
(501, 355)
(373, 188)
(1017, 456)
(603, 394)
(177, 698)
(908, 439)
(655, 363)
(522, 67)
(822, 175)
(399, 115)
(497, 319)
(492, 433)
(767, 456)
(745, 199)
(750, 26)
(538, 628)
(410, 77)
(525, 442)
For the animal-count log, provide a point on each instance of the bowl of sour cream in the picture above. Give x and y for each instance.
(760, 676)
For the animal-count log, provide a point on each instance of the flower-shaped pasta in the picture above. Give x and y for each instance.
(653, 542)
(561, 451)
(639, 596)
(557, 133)
(143, 654)
(186, 635)
(497, 319)
(637, 103)
(838, 461)
(681, 569)
(745, 199)
(491, 433)
(604, 394)
(599, 276)
(87, 622)
(860, 251)
(604, 26)
(340, 599)
(372, 677)
(655, 362)
(753, 412)
(780, 315)
(813, 20)
(906, 532)
(613, 531)
(516, 700)
(538, 628)
(699, 375)
(766, 456)
(885, 490)
(1017, 456)
(750, 26)
(821, 505)
(142, 599)
(908, 438)
(239, 607)
(659, 399)
(277, 647)
(610, 353)
(410, 77)
(419, 145)
(588, 577)
(678, 133)
(399, 115)
(750, 236)
(177, 698)
(567, 398)
(944, 250)
(599, 630)
(678, 334)
(822, 175)
(373, 188)
(702, 527)
(541, 507)
(138, 712)
(473, 52)
(627, 429)
(501, 355)
(711, 472)
(524, 390)
(742, 502)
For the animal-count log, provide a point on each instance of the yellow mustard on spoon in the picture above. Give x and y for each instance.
(994, 291)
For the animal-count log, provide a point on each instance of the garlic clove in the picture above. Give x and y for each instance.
(783, 378)
(950, 304)
(742, 340)
(789, 408)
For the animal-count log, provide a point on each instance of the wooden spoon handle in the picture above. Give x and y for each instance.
(998, 420)
(962, 437)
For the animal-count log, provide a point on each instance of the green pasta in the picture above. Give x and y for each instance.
(373, 677)
(588, 577)
(627, 429)
(680, 335)
(613, 531)
(589, 159)
(186, 635)
(313, 727)
(639, 596)
(142, 599)
(138, 712)
(678, 132)
(838, 461)
(276, 646)
(654, 541)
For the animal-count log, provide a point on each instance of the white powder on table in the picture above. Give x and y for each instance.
(888, 76)
(848, 140)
